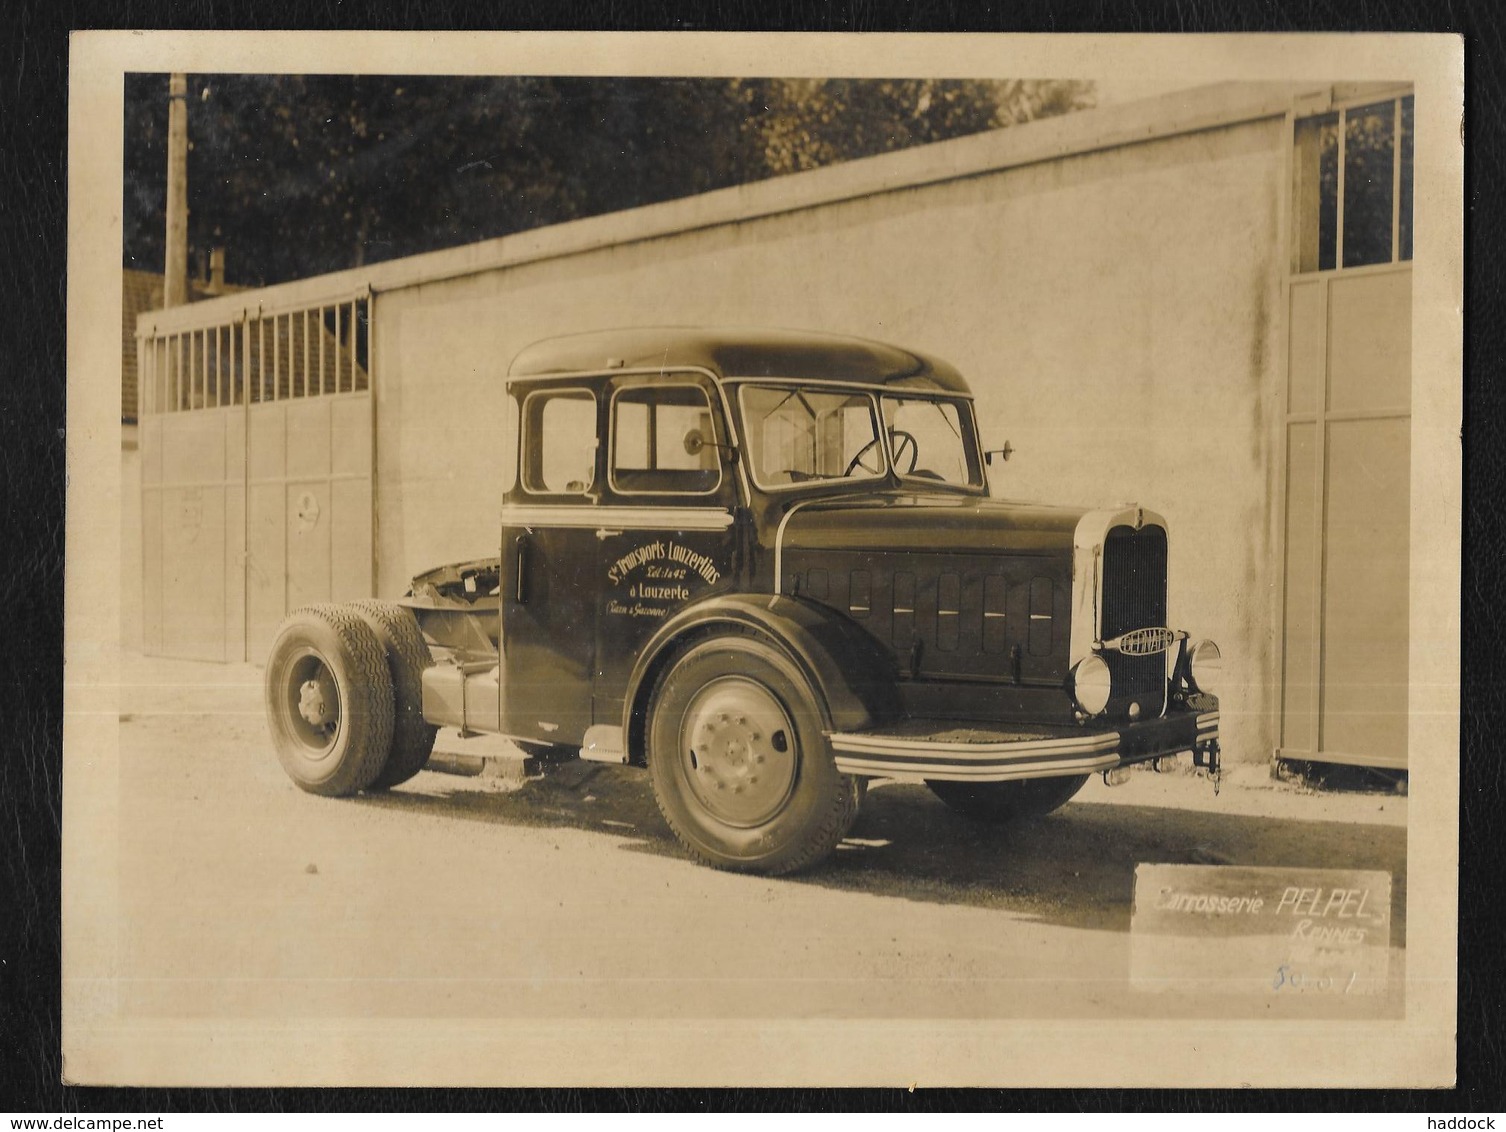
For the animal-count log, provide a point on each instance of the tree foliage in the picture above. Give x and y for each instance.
(302, 174)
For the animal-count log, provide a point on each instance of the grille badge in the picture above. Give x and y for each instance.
(1142, 642)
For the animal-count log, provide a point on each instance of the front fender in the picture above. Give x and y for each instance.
(852, 678)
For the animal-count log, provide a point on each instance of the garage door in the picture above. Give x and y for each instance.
(256, 440)
(1344, 676)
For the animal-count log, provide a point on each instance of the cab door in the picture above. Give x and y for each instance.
(667, 536)
(550, 556)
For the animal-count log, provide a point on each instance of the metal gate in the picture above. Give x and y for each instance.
(256, 458)
(1347, 468)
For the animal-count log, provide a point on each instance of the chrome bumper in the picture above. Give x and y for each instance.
(972, 756)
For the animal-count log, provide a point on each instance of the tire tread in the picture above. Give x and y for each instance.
(370, 695)
(407, 655)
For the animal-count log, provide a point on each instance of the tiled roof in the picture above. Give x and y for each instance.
(140, 291)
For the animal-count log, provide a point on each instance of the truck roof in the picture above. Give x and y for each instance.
(731, 352)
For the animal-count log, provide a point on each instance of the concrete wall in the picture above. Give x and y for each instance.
(1117, 312)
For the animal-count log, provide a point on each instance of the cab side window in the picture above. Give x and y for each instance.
(664, 441)
(559, 442)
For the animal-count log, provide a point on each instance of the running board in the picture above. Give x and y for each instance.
(604, 745)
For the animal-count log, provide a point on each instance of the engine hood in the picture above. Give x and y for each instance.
(918, 521)
(973, 588)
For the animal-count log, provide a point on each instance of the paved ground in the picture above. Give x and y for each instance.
(568, 897)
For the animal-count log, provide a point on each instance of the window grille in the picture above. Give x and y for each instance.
(314, 351)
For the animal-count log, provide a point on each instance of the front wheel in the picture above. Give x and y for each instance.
(739, 762)
(329, 700)
(1008, 801)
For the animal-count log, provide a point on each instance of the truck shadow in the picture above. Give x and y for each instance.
(1074, 868)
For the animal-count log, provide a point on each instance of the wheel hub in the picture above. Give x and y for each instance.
(312, 704)
(738, 750)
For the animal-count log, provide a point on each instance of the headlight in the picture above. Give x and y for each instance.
(1088, 684)
(1205, 665)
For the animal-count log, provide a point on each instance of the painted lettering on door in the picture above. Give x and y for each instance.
(654, 576)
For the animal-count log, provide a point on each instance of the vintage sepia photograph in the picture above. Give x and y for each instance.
(761, 560)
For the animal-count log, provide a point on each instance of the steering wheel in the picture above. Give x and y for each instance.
(899, 438)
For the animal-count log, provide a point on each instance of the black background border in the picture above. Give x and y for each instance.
(33, 231)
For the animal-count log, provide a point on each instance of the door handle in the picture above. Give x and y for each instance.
(603, 534)
(520, 546)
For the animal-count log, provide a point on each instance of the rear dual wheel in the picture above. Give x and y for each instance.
(344, 697)
(407, 656)
(328, 694)
(740, 766)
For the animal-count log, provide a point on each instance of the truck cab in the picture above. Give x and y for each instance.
(766, 566)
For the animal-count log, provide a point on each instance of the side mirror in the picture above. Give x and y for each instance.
(695, 444)
(1002, 453)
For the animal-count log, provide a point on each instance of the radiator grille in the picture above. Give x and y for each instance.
(1134, 597)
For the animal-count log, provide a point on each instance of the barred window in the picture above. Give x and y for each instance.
(1352, 186)
(254, 357)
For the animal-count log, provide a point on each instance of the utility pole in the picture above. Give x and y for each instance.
(175, 268)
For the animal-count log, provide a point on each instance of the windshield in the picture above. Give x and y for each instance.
(801, 435)
(927, 439)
